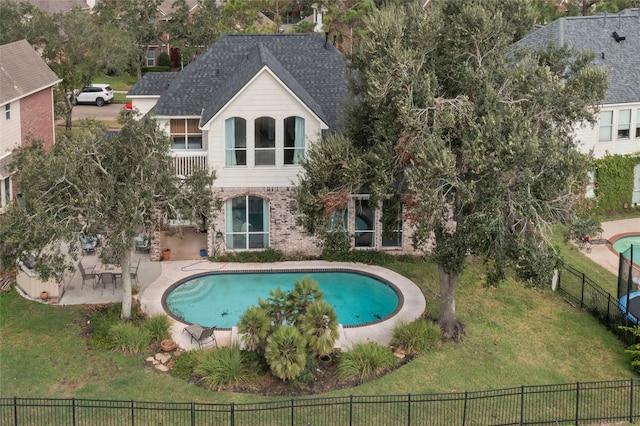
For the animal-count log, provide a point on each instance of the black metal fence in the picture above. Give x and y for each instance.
(585, 293)
(570, 404)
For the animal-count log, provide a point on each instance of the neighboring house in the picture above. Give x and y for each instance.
(615, 41)
(60, 6)
(26, 106)
(249, 108)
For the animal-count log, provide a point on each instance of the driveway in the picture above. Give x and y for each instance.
(108, 112)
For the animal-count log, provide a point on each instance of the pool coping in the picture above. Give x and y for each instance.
(413, 305)
(612, 239)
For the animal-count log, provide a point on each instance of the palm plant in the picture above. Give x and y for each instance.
(286, 353)
(255, 326)
(305, 292)
(275, 306)
(319, 325)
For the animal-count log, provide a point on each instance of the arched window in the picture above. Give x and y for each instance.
(293, 140)
(247, 223)
(265, 140)
(235, 136)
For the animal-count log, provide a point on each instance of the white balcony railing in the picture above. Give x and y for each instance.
(185, 162)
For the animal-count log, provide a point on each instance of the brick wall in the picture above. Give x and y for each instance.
(36, 117)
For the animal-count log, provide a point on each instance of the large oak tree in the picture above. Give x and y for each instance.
(476, 137)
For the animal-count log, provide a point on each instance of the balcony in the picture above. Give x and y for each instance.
(185, 162)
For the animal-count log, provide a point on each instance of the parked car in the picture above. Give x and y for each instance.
(98, 94)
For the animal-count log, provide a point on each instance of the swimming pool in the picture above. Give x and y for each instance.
(219, 299)
(622, 244)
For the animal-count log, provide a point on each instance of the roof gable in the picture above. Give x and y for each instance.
(258, 59)
(311, 69)
(595, 33)
(22, 72)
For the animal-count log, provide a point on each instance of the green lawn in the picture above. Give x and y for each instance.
(515, 336)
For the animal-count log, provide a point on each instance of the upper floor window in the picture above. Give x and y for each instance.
(247, 223)
(185, 133)
(5, 190)
(293, 140)
(624, 123)
(7, 112)
(235, 135)
(606, 126)
(638, 123)
(265, 141)
(151, 57)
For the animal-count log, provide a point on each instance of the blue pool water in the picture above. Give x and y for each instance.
(622, 244)
(219, 299)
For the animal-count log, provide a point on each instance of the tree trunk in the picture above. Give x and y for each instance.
(126, 284)
(452, 329)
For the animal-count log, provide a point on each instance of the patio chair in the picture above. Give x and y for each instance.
(201, 334)
(133, 270)
(109, 277)
(142, 244)
(88, 243)
(87, 274)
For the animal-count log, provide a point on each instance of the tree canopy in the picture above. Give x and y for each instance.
(117, 186)
(475, 135)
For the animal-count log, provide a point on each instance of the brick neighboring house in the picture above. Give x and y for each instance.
(249, 108)
(615, 41)
(26, 104)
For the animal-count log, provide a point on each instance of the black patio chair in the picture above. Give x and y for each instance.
(87, 274)
(201, 334)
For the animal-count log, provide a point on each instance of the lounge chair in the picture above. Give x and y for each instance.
(201, 334)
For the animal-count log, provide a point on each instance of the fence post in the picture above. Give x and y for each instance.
(464, 409)
(292, 411)
(409, 409)
(521, 405)
(350, 410)
(631, 402)
(15, 411)
(233, 414)
(193, 414)
(577, 402)
(133, 413)
(73, 411)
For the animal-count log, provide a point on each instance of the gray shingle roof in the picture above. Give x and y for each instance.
(313, 72)
(22, 72)
(152, 84)
(596, 34)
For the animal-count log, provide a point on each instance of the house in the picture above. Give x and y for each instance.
(615, 41)
(249, 108)
(26, 103)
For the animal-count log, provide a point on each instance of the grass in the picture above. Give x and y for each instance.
(514, 336)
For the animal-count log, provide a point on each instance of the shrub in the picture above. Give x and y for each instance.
(269, 255)
(319, 325)
(164, 60)
(417, 336)
(185, 364)
(221, 366)
(129, 338)
(634, 350)
(255, 326)
(365, 360)
(286, 353)
(101, 322)
(158, 326)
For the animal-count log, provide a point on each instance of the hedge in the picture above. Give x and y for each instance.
(614, 177)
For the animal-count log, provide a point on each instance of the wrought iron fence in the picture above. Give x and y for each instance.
(585, 293)
(574, 403)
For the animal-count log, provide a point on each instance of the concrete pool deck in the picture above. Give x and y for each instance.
(602, 253)
(413, 307)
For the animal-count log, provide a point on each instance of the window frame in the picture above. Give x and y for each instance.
(606, 126)
(233, 134)
(398, 231)
(150, 58)
(264, 141)
(7, 112)
(5, 192)
(360, 235)
(638, 123)
(188, 131)
(293, 143)
(243, 231)
(624, 128)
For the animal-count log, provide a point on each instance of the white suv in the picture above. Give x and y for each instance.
(98, 94)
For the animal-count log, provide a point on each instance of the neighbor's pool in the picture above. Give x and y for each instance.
(219, 299)
(622, 244)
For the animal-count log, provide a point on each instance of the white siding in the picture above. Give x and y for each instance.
(144, 105)
(265, 96)
(588, 135)
(10, 135)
